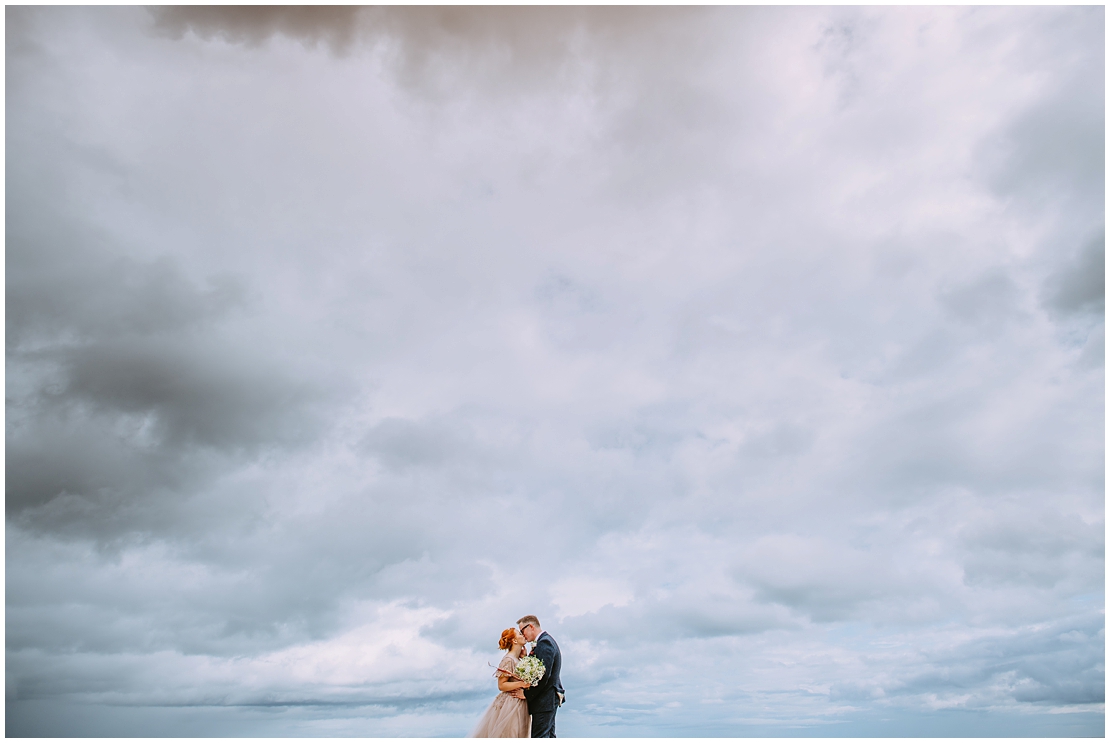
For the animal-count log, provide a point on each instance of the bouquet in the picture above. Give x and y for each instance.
(529, 668)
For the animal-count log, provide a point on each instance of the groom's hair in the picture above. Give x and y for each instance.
(528, 619)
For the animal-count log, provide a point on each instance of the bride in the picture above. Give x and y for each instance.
(507, 716)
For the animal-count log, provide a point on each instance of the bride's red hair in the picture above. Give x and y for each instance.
(507, 638)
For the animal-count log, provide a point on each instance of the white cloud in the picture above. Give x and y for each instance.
(576, 596)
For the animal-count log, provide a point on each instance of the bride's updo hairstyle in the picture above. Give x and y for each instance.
(507, 638)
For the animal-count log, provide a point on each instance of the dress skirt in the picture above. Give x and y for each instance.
(506, 717)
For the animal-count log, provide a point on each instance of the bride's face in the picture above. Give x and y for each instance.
(518, 638)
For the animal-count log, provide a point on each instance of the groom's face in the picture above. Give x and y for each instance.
(529, 631)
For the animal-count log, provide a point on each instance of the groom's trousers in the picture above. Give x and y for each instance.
(543, 724)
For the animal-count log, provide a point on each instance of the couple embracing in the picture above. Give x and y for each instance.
(524, 691)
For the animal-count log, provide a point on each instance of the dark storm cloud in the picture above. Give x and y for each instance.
(334, 26)
(193, 396)
(79, 465)
(116, 373)
(126, 391)
(526, 33)
(118, 381)
(430, 47)
(55, 296)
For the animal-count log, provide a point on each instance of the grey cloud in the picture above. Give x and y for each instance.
(990, 299)
(122, 425)
(942, 444)
(823, 601)
(853, 690)
(820, 581)
(1046, 664)
(679, 616)
(70, 283)
(714, 618)
(575, 315)
(1081, 285)
(921, 449)
(119, 378)
(59, 292)
(1054, 149)
(1052, 536)
(1043, 665)
(629, 59)
(639, 438)
(334, 26)
(403, 444)
(193, 396)
(80, 464)
(514, 39)
(434, 29)
(565, 294)
(1094, 349)
(783, 440)
(1010, 550)
(127, 388)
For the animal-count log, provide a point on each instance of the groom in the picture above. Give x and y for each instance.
(545, 697)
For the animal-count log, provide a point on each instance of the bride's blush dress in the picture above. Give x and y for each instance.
(507, 716)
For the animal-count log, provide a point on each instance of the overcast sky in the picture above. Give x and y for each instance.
(758, 351)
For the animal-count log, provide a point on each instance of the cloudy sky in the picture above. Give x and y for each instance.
(758, 351)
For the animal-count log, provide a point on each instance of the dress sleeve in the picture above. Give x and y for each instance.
(506, 666)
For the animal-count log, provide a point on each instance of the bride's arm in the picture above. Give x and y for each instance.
(504, 683)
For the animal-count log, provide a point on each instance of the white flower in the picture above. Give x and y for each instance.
(530, 668)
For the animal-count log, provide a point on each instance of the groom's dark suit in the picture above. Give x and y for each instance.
(545, 697)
